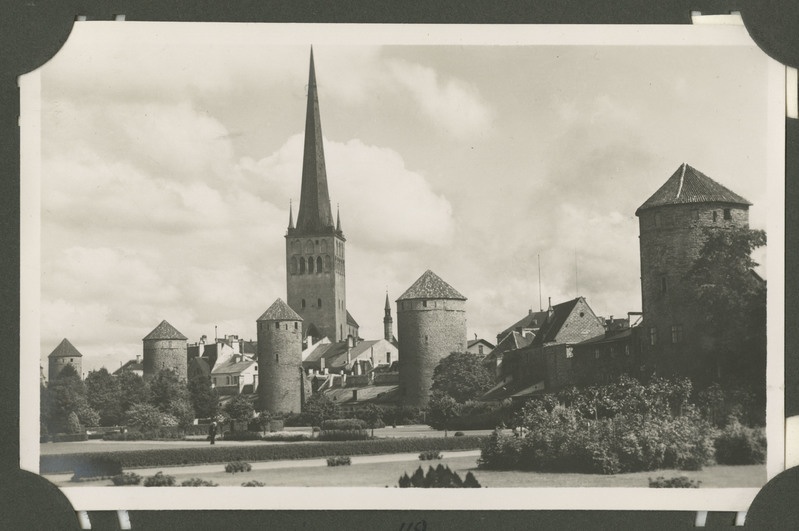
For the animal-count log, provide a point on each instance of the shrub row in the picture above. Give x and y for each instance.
(63, 463)
(253, 483)
(197, 482)
(99, 466)
(343, 435)
(242, 436)
(128, 478)
(429, 455)
(343, 424)
(159, 480)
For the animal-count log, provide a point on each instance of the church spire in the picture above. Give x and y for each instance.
(314, 213)
(291, 216)
(388, 322)
(338, 219)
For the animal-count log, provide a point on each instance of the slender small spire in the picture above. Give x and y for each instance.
(338, 219)
(291, 216)
(388, 305)
(314, 212)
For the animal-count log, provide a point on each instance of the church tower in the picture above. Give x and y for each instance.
(315, 257)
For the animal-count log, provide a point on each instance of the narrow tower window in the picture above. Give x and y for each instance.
(310, 264)
(318, 264)
(727, 214)
(319, 303)
(302, 265)
(715, 215)
(295, 325)
(277, 326)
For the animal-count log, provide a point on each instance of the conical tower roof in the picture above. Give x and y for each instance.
(689, 185)
(65, 350)
(280, 311)
(388, 306)
(314, 213)
(430, 286)
(164, 331)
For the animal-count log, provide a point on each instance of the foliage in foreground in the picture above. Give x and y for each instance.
(197, 482)
(160, 480)
(437, 478)
(237, 466)
(96, 467)
(626, 427)
(128, 478)
(739, 445)
(681, 482)
(339, 460)
(430, 455)
(253, 483)
(63, 463)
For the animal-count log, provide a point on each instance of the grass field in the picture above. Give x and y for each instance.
(382, 471)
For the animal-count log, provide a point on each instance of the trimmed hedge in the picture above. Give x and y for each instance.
(283, 436)
(197, 482)
(69, 437)
(63, 463)
(242, 436)
(343, 435)
(160, 480)
(128, 478)
(343, 424)
(237, 466)
(98, 466)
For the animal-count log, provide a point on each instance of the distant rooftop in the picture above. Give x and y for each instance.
(164, 331)
(280, 311)
(430, 286)
(689, 185)
(65, 350)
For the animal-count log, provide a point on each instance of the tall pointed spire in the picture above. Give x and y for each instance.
(314, 213)
(338, 219)
(291, 216)
(388, 305)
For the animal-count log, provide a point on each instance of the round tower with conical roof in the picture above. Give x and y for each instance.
(431, 324)
(280, 359)
(165, 348)
(64, 354)
(674, 224)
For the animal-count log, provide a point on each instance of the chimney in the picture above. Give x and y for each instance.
(138, 358)
(475, 337)
(550, 311)
(530, 311)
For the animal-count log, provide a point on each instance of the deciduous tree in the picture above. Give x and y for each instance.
(462, 376)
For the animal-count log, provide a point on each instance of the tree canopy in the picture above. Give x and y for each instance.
(102, 393)
(204, 398)
(731, 302)
(462, 376)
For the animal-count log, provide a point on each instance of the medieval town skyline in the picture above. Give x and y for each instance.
(171, 198)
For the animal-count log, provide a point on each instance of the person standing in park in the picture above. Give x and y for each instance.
(212, 432)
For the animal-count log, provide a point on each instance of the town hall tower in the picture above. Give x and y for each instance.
(315, 259)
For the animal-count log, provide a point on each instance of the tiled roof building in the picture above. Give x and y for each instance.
(61, 356)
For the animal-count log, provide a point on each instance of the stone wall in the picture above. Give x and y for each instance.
(279, 362)
(428, 331)
(160, 354)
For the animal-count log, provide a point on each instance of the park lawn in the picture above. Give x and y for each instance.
(382, 474)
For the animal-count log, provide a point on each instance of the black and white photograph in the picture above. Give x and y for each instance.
(542, 263)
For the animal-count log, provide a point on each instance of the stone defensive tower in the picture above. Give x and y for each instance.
(280, 359)
(431, 324)
(165, 348)
(315, 259)
(64, 354)
(674, 224)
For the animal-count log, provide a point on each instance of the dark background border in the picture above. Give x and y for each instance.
(32, 31)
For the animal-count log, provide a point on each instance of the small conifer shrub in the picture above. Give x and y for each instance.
(237, 466)
(339, 460)
(159, 480)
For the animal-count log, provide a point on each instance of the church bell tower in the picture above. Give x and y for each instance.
(315, 273)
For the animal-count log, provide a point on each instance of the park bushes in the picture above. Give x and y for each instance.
(62, 463)
(160, 480)
(128, 478)
(681, 482)
(343, 424)
(242, 436)
(237, 466)
(339, 460)
(197, 482)
(429, 455)
(343, 430)
(739, 445)
(96, 466)
(69, 437)
(625, 427)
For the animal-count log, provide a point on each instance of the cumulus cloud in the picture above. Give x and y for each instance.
(454, 105)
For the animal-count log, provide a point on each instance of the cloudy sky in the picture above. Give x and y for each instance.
(170, 154)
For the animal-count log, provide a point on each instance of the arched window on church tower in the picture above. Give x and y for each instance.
(318, 264)
(302, 265)
(310, 264)
(308, 247)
